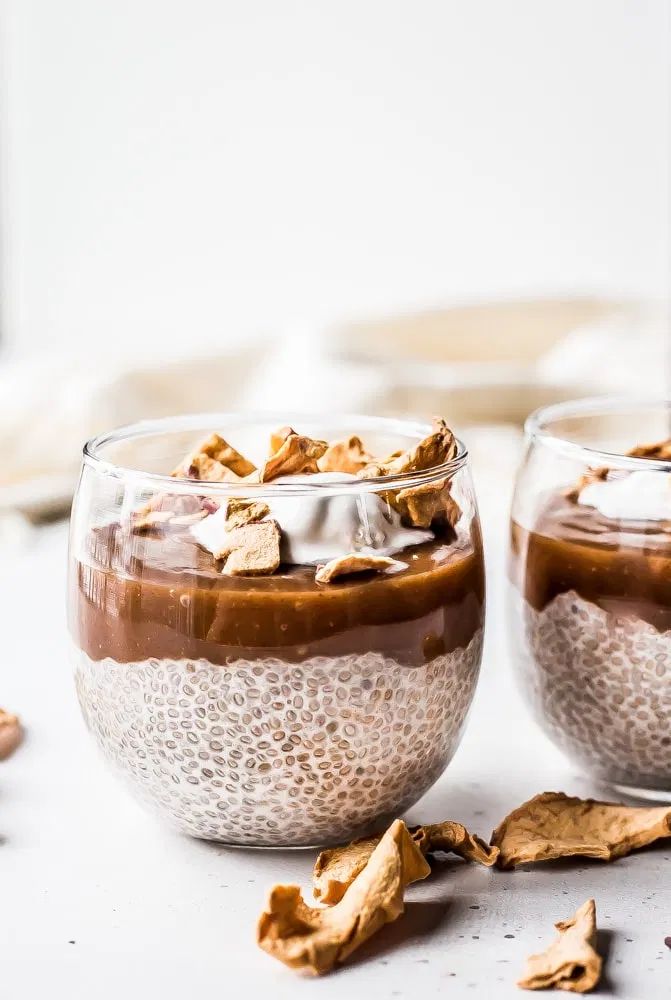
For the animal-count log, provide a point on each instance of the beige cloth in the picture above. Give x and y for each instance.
(50, 405)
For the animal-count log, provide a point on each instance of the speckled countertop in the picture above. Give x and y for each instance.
(97, 899)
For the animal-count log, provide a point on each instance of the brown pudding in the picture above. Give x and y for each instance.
(161, 595)
(623, 567)
(595, 598)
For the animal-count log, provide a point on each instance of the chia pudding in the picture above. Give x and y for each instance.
(261, 706)
(591, 596)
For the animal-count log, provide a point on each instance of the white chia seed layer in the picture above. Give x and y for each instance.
(600, 686)
(265, 752)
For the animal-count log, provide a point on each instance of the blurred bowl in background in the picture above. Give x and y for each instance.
(496, 362)
(499, 332)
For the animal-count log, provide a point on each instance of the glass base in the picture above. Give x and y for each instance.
(230, 779)
(660, 795)
(231, 846)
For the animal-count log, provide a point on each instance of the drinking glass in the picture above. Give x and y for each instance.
(590, 587)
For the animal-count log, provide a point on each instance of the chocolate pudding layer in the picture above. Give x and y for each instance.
(160, 595)
(624, 567)
(594, 598)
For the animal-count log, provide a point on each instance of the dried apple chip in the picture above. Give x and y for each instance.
(454, 838)
(213, 461)
(147, 519)
(208, 470)
(221, 451)
(251, 550)
(435, 449)
(553, 825)
(315, 939)
(355, 562)
(348, 456)
(659, 451)
(165, 509)
(426, 505)
(209, 505)
(185, 520)
(429, 504)
(571, 962)
(296, 454)
(241, 512)
(336, 868)
(589, 476)
(278, 437)
(11, 733)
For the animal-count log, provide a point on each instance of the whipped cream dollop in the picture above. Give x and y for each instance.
(316, 529)
(639, 496)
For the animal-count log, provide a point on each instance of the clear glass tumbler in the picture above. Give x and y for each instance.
(271, 710)
(590, 586)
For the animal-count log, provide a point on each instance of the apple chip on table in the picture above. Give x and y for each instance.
(11, 733)
(315, 940)
(553, 825)
(360, 885)
(336, 868)
(571, 962)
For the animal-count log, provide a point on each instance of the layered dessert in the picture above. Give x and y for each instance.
(285, 653)
(592, 584)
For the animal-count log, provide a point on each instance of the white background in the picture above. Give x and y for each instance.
(198, 171)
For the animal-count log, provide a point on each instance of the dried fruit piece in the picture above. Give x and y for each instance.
(317, 939)
(147, 520)
(11, 733)
(209, 505)
(251, 550)
(188, 519)
(589, 476)
(167, 508)
(336, 868)
(348, 456)
(553, 825)
(241, 512)
(454, 838)
(660, 451)
(355, 562)
(571, 962)
(278, 437)
(208, 470)
(296, 454)
(435, 449)
(427, 505)
(214, 461)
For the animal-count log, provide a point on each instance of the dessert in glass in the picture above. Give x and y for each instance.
(590, 590)
(277, 634)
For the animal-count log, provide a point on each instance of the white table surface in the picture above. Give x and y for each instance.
(98, 899)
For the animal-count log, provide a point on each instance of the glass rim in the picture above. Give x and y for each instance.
(92, 458)
(537, 428)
